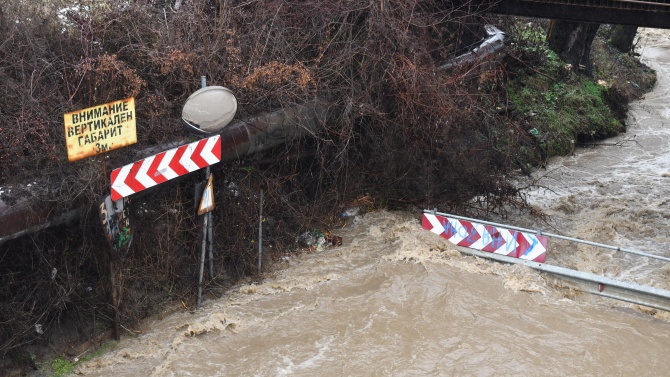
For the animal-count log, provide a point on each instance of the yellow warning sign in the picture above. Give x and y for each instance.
(99, 129)
(207, 201)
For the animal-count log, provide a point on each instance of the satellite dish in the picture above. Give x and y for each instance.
(209, 109)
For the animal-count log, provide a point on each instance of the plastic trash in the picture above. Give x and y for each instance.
(351, 212)
(308, 238)
(317, 240)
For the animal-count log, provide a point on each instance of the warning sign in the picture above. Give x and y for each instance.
(207, 201)
(99, 129)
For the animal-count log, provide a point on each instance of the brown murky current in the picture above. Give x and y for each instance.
(396, 300)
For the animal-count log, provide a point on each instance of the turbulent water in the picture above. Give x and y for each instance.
(619, 192)
(396, 300)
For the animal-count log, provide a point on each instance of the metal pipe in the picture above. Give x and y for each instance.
(540, 232)
(238, 140)
(246, 137)
(488, 47)
(25, 221)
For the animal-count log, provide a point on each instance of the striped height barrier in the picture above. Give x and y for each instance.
(162, 167)
(492, 239)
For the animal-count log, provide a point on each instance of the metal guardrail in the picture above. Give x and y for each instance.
(541, 233)
(599, 285)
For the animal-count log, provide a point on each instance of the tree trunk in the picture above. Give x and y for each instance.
(623, 37)
(572, 42)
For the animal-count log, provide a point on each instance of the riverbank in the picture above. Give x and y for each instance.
(563, 108)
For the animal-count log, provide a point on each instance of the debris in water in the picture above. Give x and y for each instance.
(316, 240)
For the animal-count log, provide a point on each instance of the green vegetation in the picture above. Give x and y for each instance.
(566, 108)
(62, 367)
(564, 112)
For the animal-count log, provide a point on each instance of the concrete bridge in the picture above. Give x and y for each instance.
(645, 13)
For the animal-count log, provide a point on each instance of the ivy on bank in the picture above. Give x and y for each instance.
(562, 108)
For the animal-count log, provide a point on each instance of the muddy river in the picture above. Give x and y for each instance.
(397, 300)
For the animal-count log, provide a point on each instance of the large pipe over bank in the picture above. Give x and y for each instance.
(239, 139)
(244, 138)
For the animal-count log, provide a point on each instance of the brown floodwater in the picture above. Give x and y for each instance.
(397, 300)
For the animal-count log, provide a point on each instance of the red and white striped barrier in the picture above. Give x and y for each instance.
(488, 238)
(154, 170)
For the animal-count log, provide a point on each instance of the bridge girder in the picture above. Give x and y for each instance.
(654, 14)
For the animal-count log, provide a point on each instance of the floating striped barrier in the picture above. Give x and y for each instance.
(512, 243)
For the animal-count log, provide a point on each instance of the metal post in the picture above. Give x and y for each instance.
(114, 272)
(210, 240)
(205, 226)
(260, 232)
(202, 261)
(211, 244)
